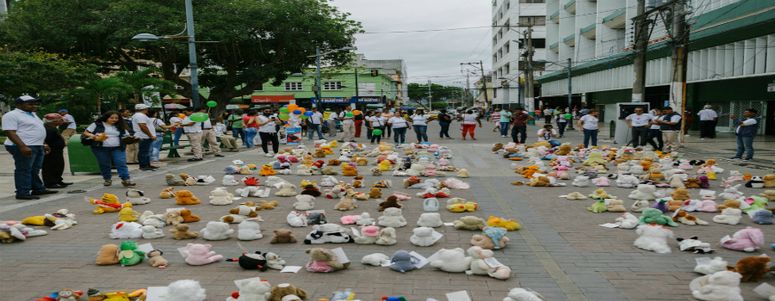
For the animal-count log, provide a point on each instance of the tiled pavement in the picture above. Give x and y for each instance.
(560, 252)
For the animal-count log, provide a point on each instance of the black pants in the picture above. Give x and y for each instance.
(444, 130)
(266, 138)
(388, 131)
(53, 167)
(707, 129)
(639, 136)
(561, 128)
(656, 133)
(519, 133)
(377, 138)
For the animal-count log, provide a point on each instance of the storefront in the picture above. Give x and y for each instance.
(272, 99)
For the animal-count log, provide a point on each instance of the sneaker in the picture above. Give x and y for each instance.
(747, 160)
(107, 183)
(734, 158)
(268, 155)
(43, 192)
(194, 159)
(128, 183)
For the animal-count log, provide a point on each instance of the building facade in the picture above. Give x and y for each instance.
(511, 20)
(731, 61)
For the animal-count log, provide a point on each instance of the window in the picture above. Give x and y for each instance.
(332, 86)
(508, 69)
(293, 86)
(535, 21)
(508, 47)
(537, 43)
(531, 1)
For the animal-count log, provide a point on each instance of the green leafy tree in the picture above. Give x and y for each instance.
(40, 73)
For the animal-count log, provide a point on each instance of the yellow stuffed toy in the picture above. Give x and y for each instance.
(127, 214)
(458, 205)
(384, 165)
(38, 220)
(349, 170)
(267, 170)
(508, 224)
(108, 203)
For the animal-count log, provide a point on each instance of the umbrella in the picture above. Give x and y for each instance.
(174, 106)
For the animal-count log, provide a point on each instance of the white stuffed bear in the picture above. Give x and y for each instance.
(729, 216)
(150, 219)
(249, 230)
(253, 191)
(229, 180)
(653, 238)
(252, 289)
(185, 290)
(424, 236)
(478, 264)
(365, 220)
(221, 197)
(430, 219)
(521, 294)
(719, 286)
(644, 192)
(217, 231)
(304, 202)
(126, 230)
(580, 181)
(376, 259)
(451, 260)
(286, 189)
(387, 237)
(392, 217)
(296, 219)
(711, 266)
(151, 232)
(731, 193)
(627, 181)
(137, 197)
(627, 221)
(328, 181)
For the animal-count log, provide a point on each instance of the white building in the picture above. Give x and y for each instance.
(510, 19)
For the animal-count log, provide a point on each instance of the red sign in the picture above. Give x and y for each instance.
(271, 98)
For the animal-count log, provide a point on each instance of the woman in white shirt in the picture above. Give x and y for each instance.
(420, 125)
(177, 129)
(588, 123)
(377, 126)
(106, 135)
(160, 127)
(398, 124)
(267, 130)
(470, 119)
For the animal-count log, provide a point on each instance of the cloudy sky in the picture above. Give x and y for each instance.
(434, 55)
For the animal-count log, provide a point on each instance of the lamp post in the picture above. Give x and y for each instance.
(317, 56)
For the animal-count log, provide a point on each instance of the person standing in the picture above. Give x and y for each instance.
(495, 120)
(267, 130)
(229, 142)
(377, 123)
(399, 126)
(237, 127)
(69, 123)
(504, 120)
(348, 125)
(420, 125)
(746, 130)
(357, 123)
(470, 120)
(250, 124)
(159, 127)
(107, 136)
(547, 115)
(193, 131)
(708, 119)
(588, 124)
(519, 126)
(332, 116)
(315, 123)
(208, 134)
(177, 129)
(639, 123)
(54, 160)
(131, 149)
(445, 119)
(144, 130)
(655, 130)
(670, 124)
(562, 121)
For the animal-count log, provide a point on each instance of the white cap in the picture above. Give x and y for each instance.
(141, 106)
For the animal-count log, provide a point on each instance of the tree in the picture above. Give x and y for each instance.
(40, 73)
(257, 40)
(440, 93)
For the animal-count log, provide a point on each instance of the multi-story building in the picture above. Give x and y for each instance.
(731, 61)
(510, 20)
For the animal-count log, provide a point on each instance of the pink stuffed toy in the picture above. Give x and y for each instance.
(601, 182)
(349, 219)
(707, 206)
(200, 254)
(746, 240)
(454, 183)
(401, 196)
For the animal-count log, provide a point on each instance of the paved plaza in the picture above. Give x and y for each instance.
(561, 252)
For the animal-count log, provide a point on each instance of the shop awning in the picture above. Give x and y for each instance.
(271, 98)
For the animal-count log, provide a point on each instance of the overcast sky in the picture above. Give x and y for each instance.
(428, 55)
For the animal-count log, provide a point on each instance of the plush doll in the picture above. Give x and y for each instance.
(148, 218)
(597, 207)
(685, 218)
(296, 219)
(136, 197)
(769, 195)
(452, 260)
(251, 261)
(762, 217)
(188, 180)
(244, 210)
(492, 238)
(746, 240)
(365, 219)
(221, 197)
(253, 289)
(369, 235)
(729, 216)
(390, 202)
(643, 192)
(692, 183)
(580, 181)
(627, 221)
(217, 231)
(328, 233)
(346, 203)
(521, 294)
(156, 260)
(392, 217)
(287, 292)
(719, 286)
(229, 180)
(730, 204)
(755, 182)
(128, 254)
(424, 236)
(283, 236)
(717, 264)
(267, 170)
(430, 219)
(188, 216)
(653, 238)
(172, 180)
(574, 196)
(323, 261)
(349, 170)
(403, 262)
(478, 265)
(508, 224)
(126, 230)
(387, 237)
(182, 231)
(304, 202)
(731, 193)
(107, 255)
(707, 206)
(185, 197)
(151, 232)
(311, 190)
(199, 254)
(601, 182)
(286, 189)
(640, 205)
(752, 268)
(458, 205)
(655, 216)
(694, 245)
(375, 259)
(167, 193)
(107, 203)
(627, 181)
(249, 230)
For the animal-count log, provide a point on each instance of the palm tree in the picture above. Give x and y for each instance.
(109, 89)
(144, 81)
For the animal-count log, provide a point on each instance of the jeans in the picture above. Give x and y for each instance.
(53, 167)
(590, 134)
(250, 136)
(422, 133)
(444, 130)
(656, 133)
(561, 128)
(314, 128)
(144, 152)
(156, 149)
(176, 136)
(504, 128)
(239, 134)
(744, 144)
(26, 169)
(554, 142)
(639, 136)
(266, 138)
(519, 134)
(107, 157)
(377, 138)
(399, 135)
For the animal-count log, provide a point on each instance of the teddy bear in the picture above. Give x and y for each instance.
(346, 203)
(746, 240)
(127, 214)
(655, 216)
(390, 202)
(627, 181)
(156, 260)
(349, 170)
(188, 216)
(451, 260)
(521, 294)
(286, 189)
(719, 286)
(172, 180)
(411, 181)
(574, 196)
(375, 193)
(249, 230)
(685, 218)
(283, 236)
(478, 265)
(692, 183)
(229, 180)
(717, 264)
(199, 254)
(615, 205)
(392, 217)
(287, 292)
(128, 254)
(653, 238)
(387, 237)
(233, 218)
(185, 197)
(729, 216)
(769, 195)
(492, 238)
(216, 231)
(365, 219)
(707, 206)
(182, 231)
(107, 255)
(627, 221)
(369, 235)
(296, 219)
(126, 230)
(469, 222)
(251, 289)
(167, 193)
(430, 219)
(107, 203)
(151, 232)
(403, 262)
(752, 268)
(304, 202)
(267, 170)
(694, 245)
(424, 236)
(458, 205)
(221, 197)
(375, 259)
(323, 261)
(640, 205)
(328, 233)
(730, 204)
(312, 190)
(643, 192)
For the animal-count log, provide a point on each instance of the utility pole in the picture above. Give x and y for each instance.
(192, 55)
(357, 89)
(640, 46)
(430, 97)
(529, 93)
(680, 54)
(469, 96)
(486, 99)
(317, 78)
(570, 91)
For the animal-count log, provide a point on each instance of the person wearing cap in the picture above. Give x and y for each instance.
(69, 123)
(131, 149)
(193, 131)
(26, 143)
(54, 160)
(208, 134)
(146, 132)
(708, 119)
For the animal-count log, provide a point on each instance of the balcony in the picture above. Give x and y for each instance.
(570, 40)
(555, 17)
(589, 31)
(570, 6)
(554, 46)
(616, 19)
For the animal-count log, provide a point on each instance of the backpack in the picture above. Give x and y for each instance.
(430, 205)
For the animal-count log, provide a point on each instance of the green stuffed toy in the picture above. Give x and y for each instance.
(129, 255)
(655, 216)
(759, 203)
(598, 207)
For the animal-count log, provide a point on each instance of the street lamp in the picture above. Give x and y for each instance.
(317, 56)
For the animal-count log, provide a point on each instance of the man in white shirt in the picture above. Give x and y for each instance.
(708, 119)
(69, 121)
(229, 142)
(348, 125)
(26, 142)
(193, 131)
(746, 130)
(208, 134)
(146, 132)
(639, 123)
(670, 124)
(315, 122)
(588, 124)
(332, 116)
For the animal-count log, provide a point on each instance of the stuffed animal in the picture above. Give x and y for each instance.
(731, 193)
(251, 289)
(580, 181)
(655, 216)
(185, 198)
(365, 219)
(167, 193)
(286, 190)
(627, 221)
(267, 170)
(508, 224)
(730, 204)
(221, 197)
(707, 206)
(452, 260)
(304, 202)
(375, 259)
(403, 262)
(107, 255)
(251, 261)
(188, 216)
(323, 261)
(430, 219)
(349, 170)
(287, 292)
(387, 237)
(249, 230)
(217, 231)
(458, 205)
(492, 238)
(156, 260)
(470, 222)
(182, 231)
(107, 203)
(615, 205)
(640, 205)
(126, 230)
(328, 233)
(769, 195)
(755, 182)
(229, 180)
(694, 245)
(729, 216)
(127, 214)
(172, 180)
(521, 294)
(597, 207)
(129, 255)
(746, 240)
(390, 202)
(151, 232)
(368, 235)
(574, 196)
(653, 238)
(274, 261)
(719, 286)
(283, 236)
(392, 217)
(199, 254)
(644, 192)
(711, 266)
(136, 197)
(685, 218)
(752, 268)
(424, 236)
